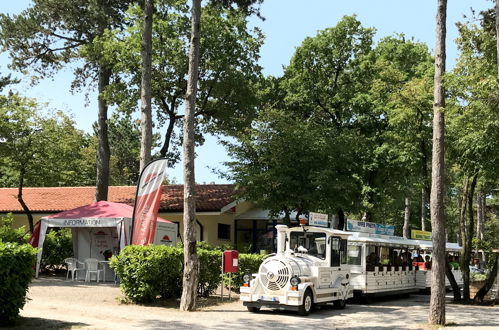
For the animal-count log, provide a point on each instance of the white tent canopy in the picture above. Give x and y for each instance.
(98, 229)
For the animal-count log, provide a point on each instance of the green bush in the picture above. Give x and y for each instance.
(16, 271)
(210, 268)
(9, 234)
(248, 263)
(148, 272)
(58, 245)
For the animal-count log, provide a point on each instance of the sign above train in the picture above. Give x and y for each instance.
(370, 227)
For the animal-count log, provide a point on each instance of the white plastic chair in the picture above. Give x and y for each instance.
(92, 266)
(73, 265)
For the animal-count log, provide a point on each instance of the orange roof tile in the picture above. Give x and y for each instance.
(210, 197)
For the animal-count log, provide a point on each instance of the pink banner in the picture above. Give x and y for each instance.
(145, 212)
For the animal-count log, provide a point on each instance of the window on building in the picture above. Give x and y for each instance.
(223, 231)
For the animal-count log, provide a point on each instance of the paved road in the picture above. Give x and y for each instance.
(56, 303)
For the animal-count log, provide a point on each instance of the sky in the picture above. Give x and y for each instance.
(287, 23)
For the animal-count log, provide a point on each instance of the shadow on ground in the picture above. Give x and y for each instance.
(40, 323)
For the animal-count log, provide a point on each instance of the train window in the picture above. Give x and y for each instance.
(343, 251)
(314, 243)
(335, 251)
(372, 257)
(354, 254)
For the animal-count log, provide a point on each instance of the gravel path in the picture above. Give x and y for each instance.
(59, 304)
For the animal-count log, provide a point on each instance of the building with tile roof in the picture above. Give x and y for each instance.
(221, 218)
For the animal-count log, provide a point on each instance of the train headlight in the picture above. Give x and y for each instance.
(246, 279)
(294, 281)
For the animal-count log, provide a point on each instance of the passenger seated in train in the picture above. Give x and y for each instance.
(372, 261)
(406, 259)
(397, 262)
(427, 262)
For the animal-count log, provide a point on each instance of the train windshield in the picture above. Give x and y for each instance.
(310, 243)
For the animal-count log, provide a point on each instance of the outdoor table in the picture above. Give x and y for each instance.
(104, 263)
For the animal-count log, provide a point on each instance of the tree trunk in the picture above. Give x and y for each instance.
(145, 91)
(168, 135)
(437, 300)
(341, 219)
(21, 201)
(468, 237)
(489, 282)
(456, 290)
(103, 152)
(425, 197)
(191, 263)
(480, 216)
(407, 218)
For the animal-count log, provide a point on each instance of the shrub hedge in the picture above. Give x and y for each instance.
(9, 234)
(150, 272)
(248, 263)
(16, 270)
(58, 245)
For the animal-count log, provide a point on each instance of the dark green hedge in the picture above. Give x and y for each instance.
(58, 245)
(150, 272)
(249, 263)
(16, 271)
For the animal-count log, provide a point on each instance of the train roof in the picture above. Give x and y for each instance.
(382, 239)
(397, 241)
(330, 231)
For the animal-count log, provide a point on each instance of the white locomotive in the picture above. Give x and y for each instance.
(310, 267)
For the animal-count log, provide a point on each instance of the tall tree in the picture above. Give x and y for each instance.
(473, 127)
(53, 33)
(38, 149)
(228, 70)
(145, 90)
(437, 300)
(191, 261)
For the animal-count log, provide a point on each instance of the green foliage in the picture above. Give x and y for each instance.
(248, 263)
(228, 69)
(209, 271)
(150, 272)
(346, 128)
(9, 234)
(42, 149)
(147, 273)
(58, 245)
(16, 271)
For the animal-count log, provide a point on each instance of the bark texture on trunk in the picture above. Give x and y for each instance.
(456, 290)
(437, 300)
(489, 282)
(407, 218)
(341, 219)
(191, 263)
(424, 202)
(480, 216)
(23, 204)
(469, 227)
(103, 152)
(145, 90)
(168, 135)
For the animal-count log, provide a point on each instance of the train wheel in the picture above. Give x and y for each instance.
(340, 304)
(253, 309)
(306, 306)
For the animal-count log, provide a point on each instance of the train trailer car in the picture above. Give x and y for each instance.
(381, 264)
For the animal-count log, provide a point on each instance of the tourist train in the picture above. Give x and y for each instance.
(317, 265)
